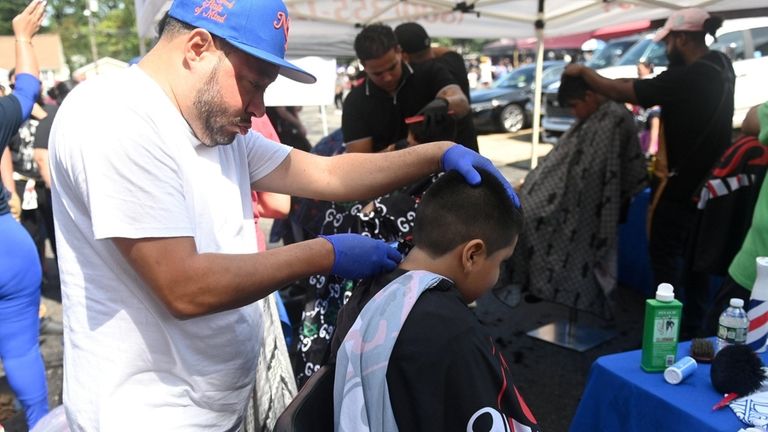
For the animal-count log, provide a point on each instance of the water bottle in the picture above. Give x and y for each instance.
(733, 325)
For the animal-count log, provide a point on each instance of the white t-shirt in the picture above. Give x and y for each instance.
(125, 163)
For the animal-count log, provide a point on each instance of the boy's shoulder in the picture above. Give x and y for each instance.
(439, 318)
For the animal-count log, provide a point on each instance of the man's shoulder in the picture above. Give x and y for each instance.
(122, 87)
(423, 70)
(116, 100)
(356, 93)
(451, 59)
(716, 58)
(356, 98)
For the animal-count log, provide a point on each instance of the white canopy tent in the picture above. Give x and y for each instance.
(327, 28)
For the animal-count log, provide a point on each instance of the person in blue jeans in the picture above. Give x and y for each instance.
(20, 273)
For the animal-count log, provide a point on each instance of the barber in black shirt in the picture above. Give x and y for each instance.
(696, 99)
(417, 49)
(374, 114)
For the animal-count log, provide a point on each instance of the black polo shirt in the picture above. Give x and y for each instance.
(465, 128)
(371, 112)
(697, 111)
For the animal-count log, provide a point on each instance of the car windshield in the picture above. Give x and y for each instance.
(519, 78)
(609, 54)
(645, 50)
(551, 75)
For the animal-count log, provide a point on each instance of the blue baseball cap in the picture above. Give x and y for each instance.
(256, 27)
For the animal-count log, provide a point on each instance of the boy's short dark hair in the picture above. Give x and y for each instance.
(452, 212)
(572, 88)
(374, 41)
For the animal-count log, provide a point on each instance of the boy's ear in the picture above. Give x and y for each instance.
(472, 253)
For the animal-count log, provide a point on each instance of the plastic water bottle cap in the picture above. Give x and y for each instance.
(737, 302)
(665, 292)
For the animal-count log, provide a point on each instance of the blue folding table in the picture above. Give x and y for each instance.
(620, 396)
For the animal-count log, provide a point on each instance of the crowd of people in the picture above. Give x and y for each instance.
(171, 317)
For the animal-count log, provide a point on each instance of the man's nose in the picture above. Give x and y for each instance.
(256, 107)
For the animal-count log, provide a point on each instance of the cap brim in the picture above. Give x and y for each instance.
(660, 34)
(287, 69)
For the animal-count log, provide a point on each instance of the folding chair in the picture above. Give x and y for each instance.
(312, 408)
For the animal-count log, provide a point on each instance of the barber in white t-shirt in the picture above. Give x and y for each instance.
(152, 169)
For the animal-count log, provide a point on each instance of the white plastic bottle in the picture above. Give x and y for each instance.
(733, 325)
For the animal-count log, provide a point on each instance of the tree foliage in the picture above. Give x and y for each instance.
(114, 25)
(463, 46)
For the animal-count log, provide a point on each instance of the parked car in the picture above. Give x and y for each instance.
(745, 41)
(612, 52)
(502, 106)
(645, 50)
(551, 75)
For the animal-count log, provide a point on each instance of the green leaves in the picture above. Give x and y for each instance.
(114, 27)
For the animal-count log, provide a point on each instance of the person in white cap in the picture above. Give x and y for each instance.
(152, 170)
(696, 98)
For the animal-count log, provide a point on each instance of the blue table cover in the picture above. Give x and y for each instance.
(620, 396)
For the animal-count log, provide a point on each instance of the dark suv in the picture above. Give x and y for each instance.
(502, 106)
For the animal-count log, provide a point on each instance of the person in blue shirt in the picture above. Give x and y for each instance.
(20, 273)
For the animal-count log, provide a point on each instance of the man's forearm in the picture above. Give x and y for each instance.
(352, 176)
(41, 157)
(457, 102)
(361, 176)
(621, 90)
(192, 284)
(25, 25)
(226, 282)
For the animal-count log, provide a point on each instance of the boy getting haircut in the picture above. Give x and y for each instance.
(571, 88)
(451, 214)
(426, 363)
(574, 200)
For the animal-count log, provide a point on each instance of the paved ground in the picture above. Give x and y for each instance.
(550, 378)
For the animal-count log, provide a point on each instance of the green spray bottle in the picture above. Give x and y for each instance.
(661, 329)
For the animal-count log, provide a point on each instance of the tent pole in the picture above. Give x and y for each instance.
(537, 83)
(324, 117)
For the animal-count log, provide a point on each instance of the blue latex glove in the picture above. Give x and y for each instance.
(465, 161)
(357, 256)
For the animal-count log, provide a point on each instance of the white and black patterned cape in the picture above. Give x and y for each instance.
(572, 203)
